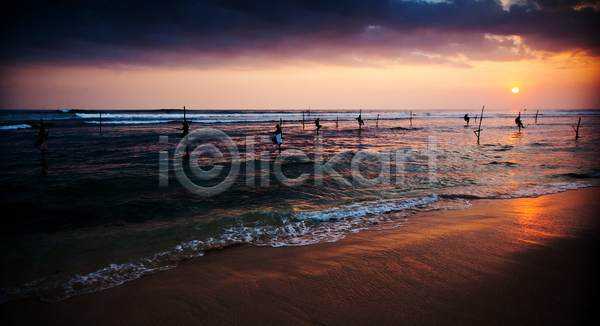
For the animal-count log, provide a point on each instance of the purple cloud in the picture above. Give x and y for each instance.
(212, 32)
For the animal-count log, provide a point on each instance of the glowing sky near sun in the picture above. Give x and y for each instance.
(299, 54)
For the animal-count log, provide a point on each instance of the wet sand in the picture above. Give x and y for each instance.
(530, 261)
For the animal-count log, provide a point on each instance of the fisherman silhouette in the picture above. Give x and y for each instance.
(318, 124)
(360, 121)
(43, 136)
(185, 128)
(277, 138)
(466, 117)
(518, 122)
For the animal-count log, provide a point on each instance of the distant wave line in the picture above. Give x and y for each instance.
(21, 126)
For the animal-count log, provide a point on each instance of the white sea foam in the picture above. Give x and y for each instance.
(128, 122)
(21, 126)
(328, 225)
(288, 229)
(548, 189)
(333, 224)
(534, 191)
(113, 275)
(292, 229)
(125, 122)
(363, 208)
(298, 115)
(223, 115)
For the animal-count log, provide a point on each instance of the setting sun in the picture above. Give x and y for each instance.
(515, 90)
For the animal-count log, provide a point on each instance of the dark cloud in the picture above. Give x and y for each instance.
(343, 31)
(562, 4)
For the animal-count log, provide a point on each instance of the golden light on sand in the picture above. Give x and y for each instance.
(515, 90)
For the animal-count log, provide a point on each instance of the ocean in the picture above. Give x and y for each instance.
(107, 208)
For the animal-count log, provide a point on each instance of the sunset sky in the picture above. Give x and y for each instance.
(274, 54)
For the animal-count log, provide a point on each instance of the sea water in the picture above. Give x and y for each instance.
(102, 210)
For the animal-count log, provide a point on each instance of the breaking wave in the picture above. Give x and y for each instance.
(270, 228)
(21, 126)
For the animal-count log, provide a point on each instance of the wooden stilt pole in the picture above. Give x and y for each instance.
(100, 122)
(536, 115)
(478, 131)
(187, 126)
(577, 129)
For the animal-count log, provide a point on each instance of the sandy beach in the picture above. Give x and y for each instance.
(528, 261)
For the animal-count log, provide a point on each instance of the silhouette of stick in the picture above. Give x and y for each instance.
(478, 131)
(187, 146)
(577, 129)
(536, 115)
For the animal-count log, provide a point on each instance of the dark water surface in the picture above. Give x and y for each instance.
(94, 216)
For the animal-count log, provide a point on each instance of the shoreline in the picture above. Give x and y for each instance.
(500, 261)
